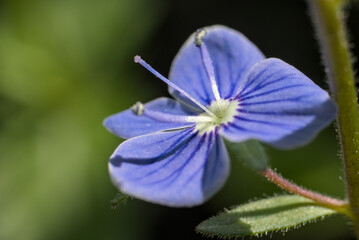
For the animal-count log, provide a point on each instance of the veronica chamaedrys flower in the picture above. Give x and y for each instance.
(224, 87)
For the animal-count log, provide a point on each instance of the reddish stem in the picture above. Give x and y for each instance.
(332, 203)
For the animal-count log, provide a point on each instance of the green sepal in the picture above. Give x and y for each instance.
(263, 216)
(250, 152)
(120, 199)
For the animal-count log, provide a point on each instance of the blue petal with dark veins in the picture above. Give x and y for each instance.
(279, 105)
(127, 124)
(178, 169)
(232, 56)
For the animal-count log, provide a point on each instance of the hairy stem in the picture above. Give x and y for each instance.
(328, 202)
(328, 21)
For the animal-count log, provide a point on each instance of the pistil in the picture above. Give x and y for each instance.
(139, 60)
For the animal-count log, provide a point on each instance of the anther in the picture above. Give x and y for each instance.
(198, 38)
(138, 108)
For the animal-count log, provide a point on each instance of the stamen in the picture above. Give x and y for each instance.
(207, 61)
(157, 74)
(166, 117)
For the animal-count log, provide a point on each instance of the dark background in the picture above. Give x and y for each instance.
(67, 64)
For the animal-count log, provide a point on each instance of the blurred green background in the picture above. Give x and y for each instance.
(67, 64)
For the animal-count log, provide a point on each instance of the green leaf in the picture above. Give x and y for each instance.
(262, 216)
(250, 152)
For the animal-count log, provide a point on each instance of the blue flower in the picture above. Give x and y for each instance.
(224, 87)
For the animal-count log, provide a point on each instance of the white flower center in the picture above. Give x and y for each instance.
(224, 111)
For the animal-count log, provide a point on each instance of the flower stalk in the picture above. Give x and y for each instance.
(328, 20)
(325, 201)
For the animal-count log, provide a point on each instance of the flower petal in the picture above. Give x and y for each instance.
(178, 168)
(232, 56)
(279, 105)
(160, 114)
